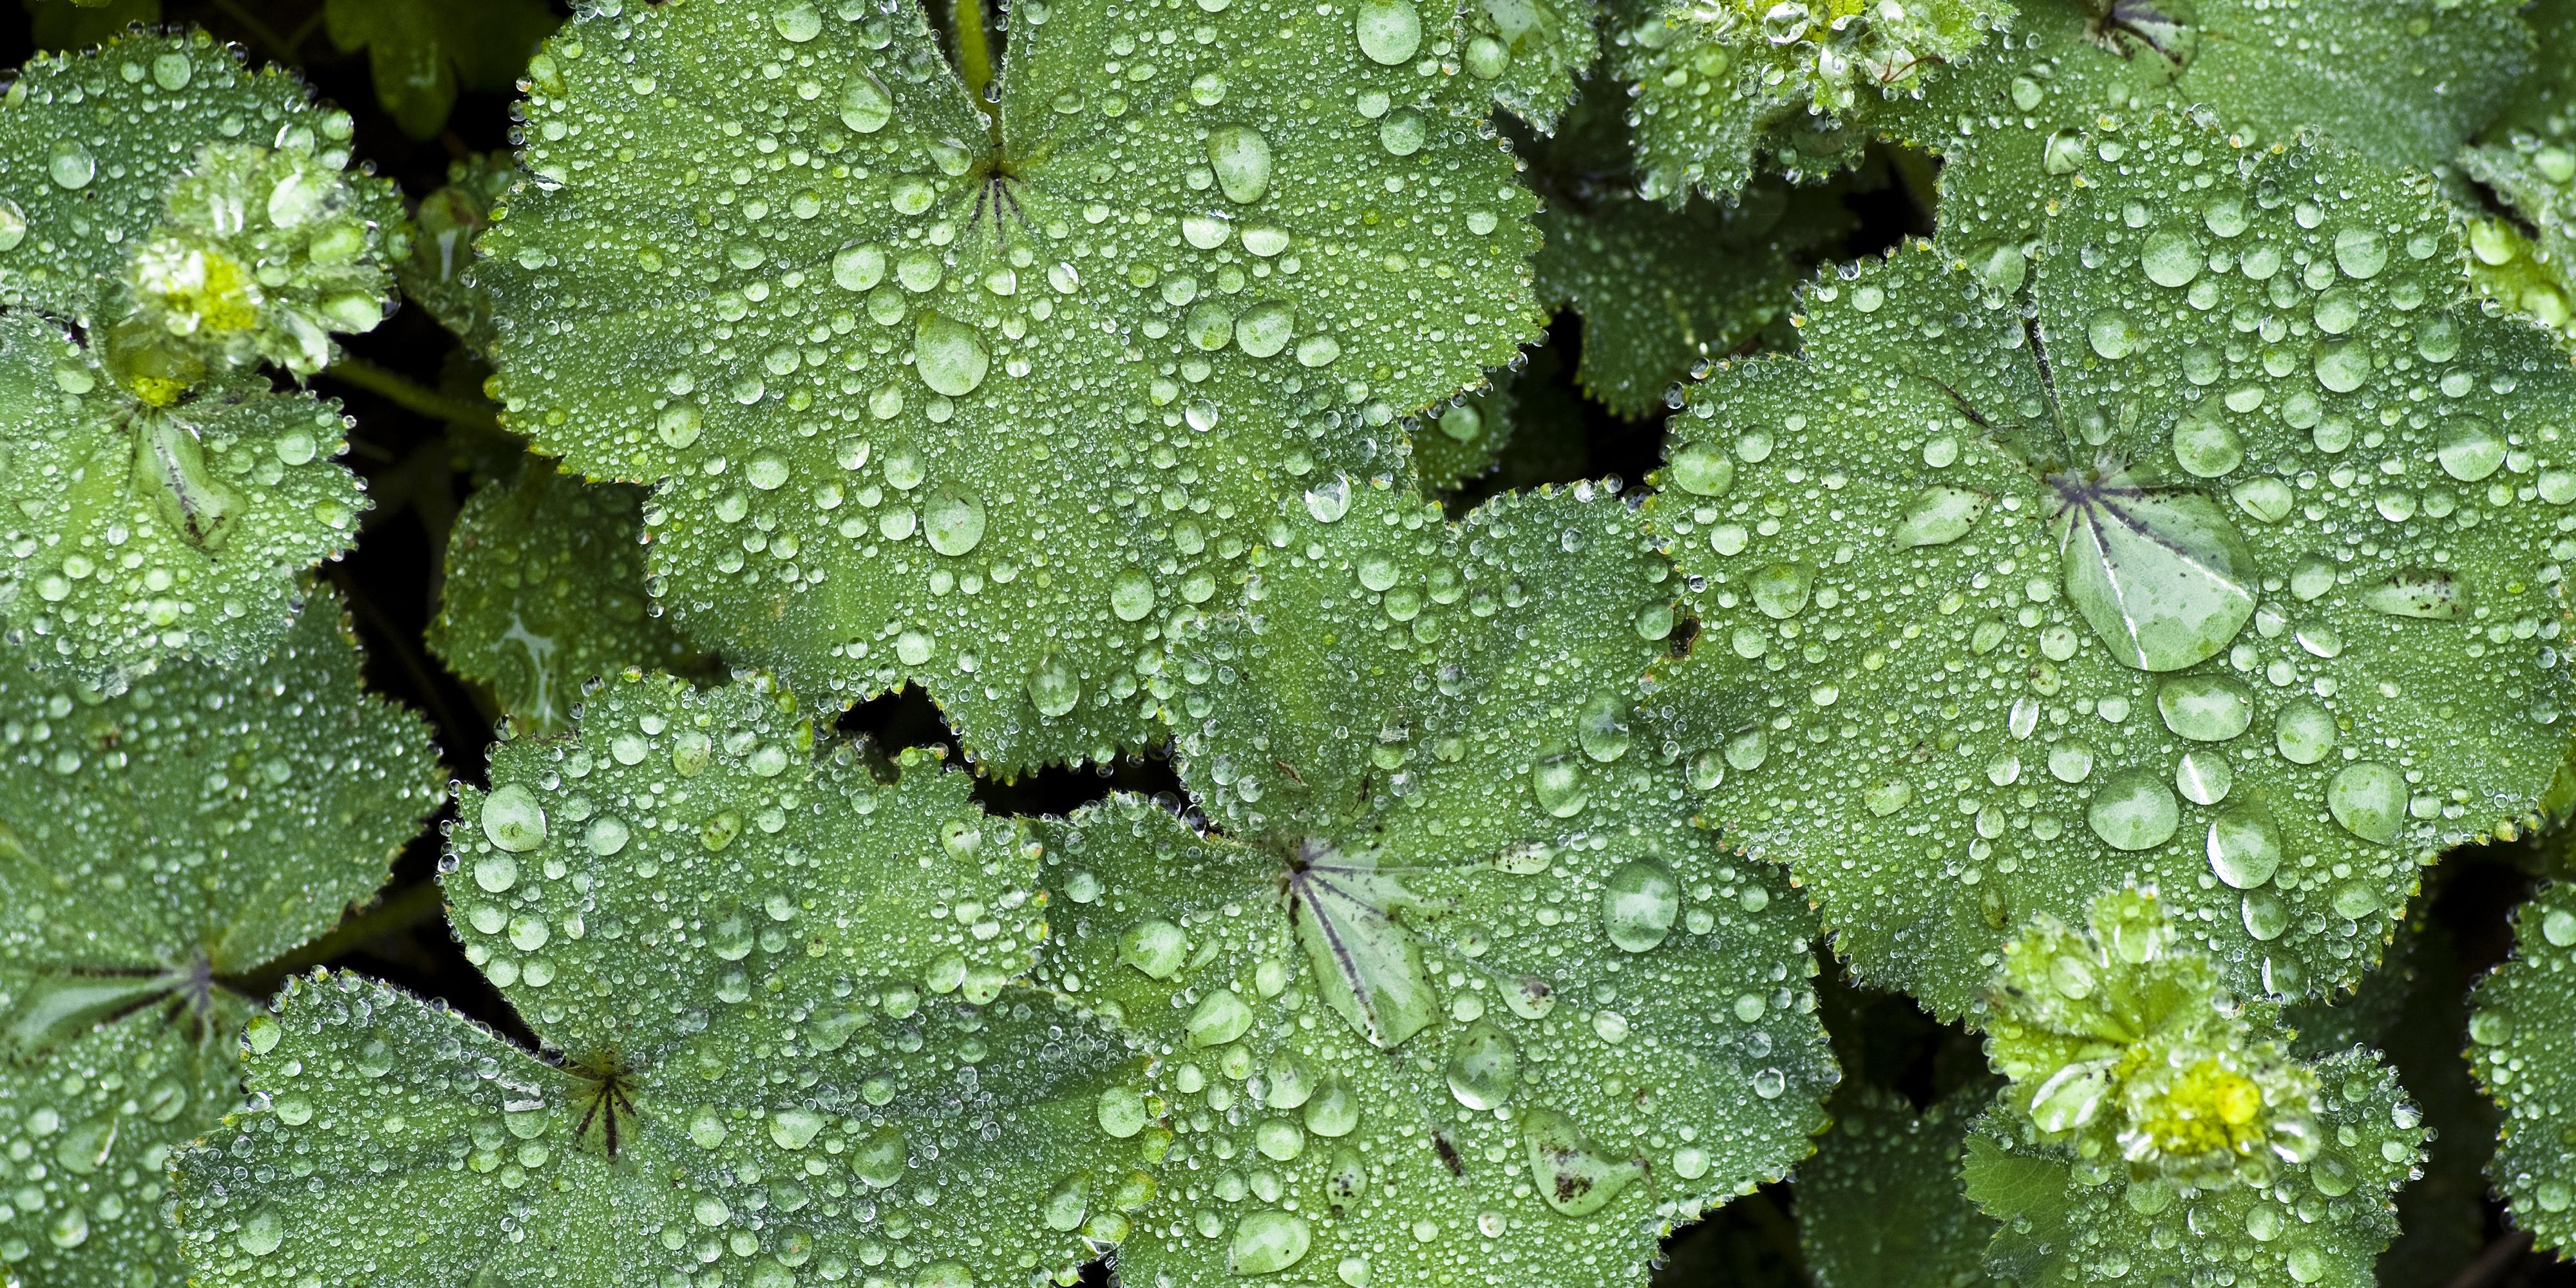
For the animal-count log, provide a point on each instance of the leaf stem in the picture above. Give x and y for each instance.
(410, 395)
(975, 60)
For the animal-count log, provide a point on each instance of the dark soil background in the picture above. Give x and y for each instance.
(418, 479)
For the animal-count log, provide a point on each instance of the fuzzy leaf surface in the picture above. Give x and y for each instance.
(1879, 1206)
(1462, 997)
(773, 993)
(2522, 1046)
(545, 590)
(984, 409)
(2261, 623)
(154, 846)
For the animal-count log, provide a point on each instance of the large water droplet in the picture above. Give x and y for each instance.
(2304, 731)
(13, 224)
(1268, 1241)
(1938, 516)
(1602, 729)
(880, 1157)
(1573, 1176)
(2205, 708)
(1484, 1066)
(513, 820)
(953, 520)
(261, 1234)
(798, 23)
(2244, 847)
(1219, 1018)
(1054, 689)
(70, 164)
(865, 104)
(2133, 810)
(1389, 31)
(1639, 904)
(1703, 469)
(2433, 594)
(1780, 589)
(1558, 782)
(1240, 155)
(2162, 576)
(949, 354)
(2171, 258)
(2369, 799)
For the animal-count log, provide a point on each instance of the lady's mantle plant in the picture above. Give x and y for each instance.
(2096, 619)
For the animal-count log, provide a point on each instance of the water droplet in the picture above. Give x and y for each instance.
(798, 23)
(2133, 810)
(949, 354)
(1131, 596)
(2114, 334)
(1122, 1112)
(2205, 708)
(1240, 155)
(70, 1229)
(2205, 444)
(1639, 904)
(1573, 1176)
(865, 104)
(1334, 1110)
(858, 268)
(2244, 847)
(2171, 258)
(794, 1128)
(880, 1158)
(261, 1234)
(1703, 469)
(1403, 132)
(1602, 729)
(2162, 576)
(953, 519)
(1938, 516)
(1329, 500)
(2361, 252)
(1054, 689)
(2559, 927)
(513, 820)
(1268, 1241)
(2431, 594)
(1558, 781)
(2304, 731)
(1220, 1017)
(1780, 589)
(2203, 777)
(2369, 799)
(13, 224)
(70, 164)
(1484, 1066)
(1389, 31)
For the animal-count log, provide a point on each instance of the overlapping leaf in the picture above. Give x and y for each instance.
(781, 1039)
(545, 590)
(1722, 85)
(1662, 290)
(1462, 440)
(984, 405)
(1461, 997)
(422, 52)
(2530, 267)
(155, 847)
(2522, 1046)
(1879, 1206)
(2227, 571)
(442, 247)
(189, 217)
(2402, 82)
(1531, 52)
(2157, 1128)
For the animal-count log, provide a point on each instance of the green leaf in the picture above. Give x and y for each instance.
(545, 590)
(422, 51)
(2545, 102)
(1720, 86)
(2262, 622)
(1531, 51)
(986, 408)
(442, 246)
(2402, 82)
(2157, 1127)
(1879, 1206)
(1459, 987)
(2522, 1046)
(143, 532)
(155, 847)
(774, 999)
(2530, 273)
(77, 24)
(1662, 290)
(1463, 439)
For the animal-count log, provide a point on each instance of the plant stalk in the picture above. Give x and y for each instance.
(410, 395)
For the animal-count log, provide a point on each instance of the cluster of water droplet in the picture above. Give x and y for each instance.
(985, 403)
(2535, 274)
(2522, 1046)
